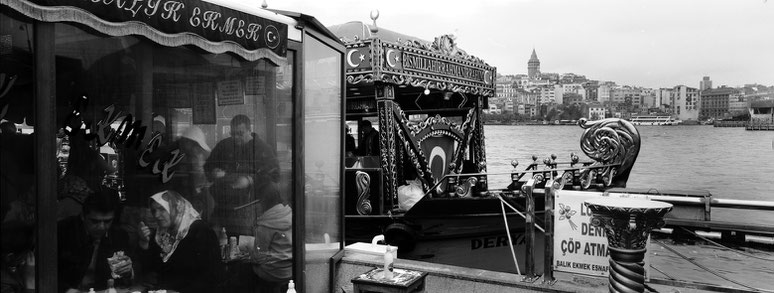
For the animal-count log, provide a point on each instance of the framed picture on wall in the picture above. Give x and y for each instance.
(230, 92)
(203, 103)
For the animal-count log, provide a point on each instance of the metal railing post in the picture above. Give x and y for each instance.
(548, 258)
(529, 231)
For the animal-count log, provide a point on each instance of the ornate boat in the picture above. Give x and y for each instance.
(427, 99)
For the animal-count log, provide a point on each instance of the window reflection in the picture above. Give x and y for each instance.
(209, 135)
(322, 137)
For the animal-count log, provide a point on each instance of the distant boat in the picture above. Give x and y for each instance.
(654, 120)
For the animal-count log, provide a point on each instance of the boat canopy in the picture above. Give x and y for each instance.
(216, 26)
(426, 97)
(380, 55)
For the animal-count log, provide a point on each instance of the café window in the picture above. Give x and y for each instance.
(195, 148)
(17, 138)
(323, 140)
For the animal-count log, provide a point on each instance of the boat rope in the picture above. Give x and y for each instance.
(510, 241)
(662, 272)
(708, 269)
(502, 201)
(725, 247)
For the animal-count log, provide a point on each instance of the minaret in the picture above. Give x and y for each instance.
(533, 66)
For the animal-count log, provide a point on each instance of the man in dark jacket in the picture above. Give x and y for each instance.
(87, 241)
(240, 167)
(369, 142)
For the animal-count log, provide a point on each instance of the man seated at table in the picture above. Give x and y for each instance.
(87, 242)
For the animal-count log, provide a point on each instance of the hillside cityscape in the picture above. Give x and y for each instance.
(542, 97)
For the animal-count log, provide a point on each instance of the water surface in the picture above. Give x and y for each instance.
(729, 162)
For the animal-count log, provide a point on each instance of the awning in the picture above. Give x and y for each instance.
(212, 27)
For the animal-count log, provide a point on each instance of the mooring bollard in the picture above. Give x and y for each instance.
(627, 223)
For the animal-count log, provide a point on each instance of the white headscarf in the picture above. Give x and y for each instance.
(181, 215)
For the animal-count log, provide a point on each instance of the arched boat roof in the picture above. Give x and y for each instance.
(394, 58)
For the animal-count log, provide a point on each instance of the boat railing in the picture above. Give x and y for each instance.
(586, 176)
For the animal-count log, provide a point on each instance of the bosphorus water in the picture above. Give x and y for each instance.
(729, 162)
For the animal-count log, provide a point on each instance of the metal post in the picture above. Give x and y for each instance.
(548, 258)
(529, 231)
(627, 223)
(385, 104)
(45, 157)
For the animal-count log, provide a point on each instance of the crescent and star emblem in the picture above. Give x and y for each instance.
(390, 60)
(272, 37)
(487, 77)
(360, 58)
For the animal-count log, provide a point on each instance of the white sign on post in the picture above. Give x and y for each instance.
(580, 247)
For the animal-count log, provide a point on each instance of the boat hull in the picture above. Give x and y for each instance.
(448, 236)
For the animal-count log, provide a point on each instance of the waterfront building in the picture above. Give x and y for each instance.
(737, 104)
(715, 102)
(705, 83)
(533, 66)
(596, 111)
(493, 109)
(762, 112)
(685, 103)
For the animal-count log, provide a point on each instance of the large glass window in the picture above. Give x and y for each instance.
(323, 159)
(175, 158)
(17, 160)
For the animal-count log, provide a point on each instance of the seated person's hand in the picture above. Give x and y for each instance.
(240, 182)
(144, 235)
(120, 265)
(218, 173)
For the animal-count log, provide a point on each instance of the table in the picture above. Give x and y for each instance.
(403, 281)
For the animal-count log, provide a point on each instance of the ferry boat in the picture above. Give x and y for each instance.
(427, 99)
(654, 120)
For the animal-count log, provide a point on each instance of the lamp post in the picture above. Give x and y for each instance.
(627, 223)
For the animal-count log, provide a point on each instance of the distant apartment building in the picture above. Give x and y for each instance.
(596, 111)
(575, 88)
(572, 78)
(737, 104)
(493, 109)
(508, 106)
(530, 110)
(715, 102)
(592, 90)
(558, 94)
(705, 83)
(603, 93)
(546, 94)
(685, 103)
(663, 96)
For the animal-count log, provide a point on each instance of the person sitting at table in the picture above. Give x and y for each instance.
(184, 252)
(87, 241)
(273, 256)
(17, 245)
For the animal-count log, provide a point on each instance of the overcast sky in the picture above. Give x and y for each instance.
(652, 43)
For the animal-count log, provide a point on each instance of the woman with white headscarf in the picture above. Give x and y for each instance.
(184, 251)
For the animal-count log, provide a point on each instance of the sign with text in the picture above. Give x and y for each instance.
(230, 93)
(580, 247)
(210, 21)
